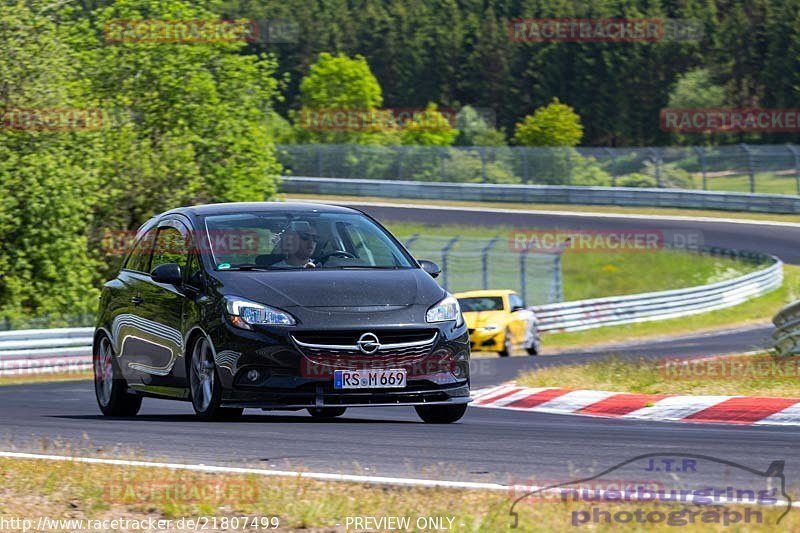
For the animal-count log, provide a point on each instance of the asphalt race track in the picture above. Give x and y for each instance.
(771, 239)
(487, 445)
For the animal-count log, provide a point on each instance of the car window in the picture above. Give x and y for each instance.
(171, 247)
(515, 301)
(139, 258)
(194, 272)
(484, 303)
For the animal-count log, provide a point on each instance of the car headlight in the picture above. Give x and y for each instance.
(244, 313)
(447, 309)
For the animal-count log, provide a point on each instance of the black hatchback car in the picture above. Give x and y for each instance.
(283, 306)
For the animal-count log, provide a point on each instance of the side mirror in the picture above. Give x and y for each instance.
(168, 273)
(517, 308)
(430, 267)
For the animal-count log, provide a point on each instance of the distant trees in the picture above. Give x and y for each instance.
(178, 124)
(459, 53)
(556, 124)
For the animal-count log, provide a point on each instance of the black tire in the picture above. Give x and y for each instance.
(326, 412)
(536, 344)
(110, 387)
(205, 389)
(441, 414)
(506, 351)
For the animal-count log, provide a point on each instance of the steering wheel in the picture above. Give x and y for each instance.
(335, 253)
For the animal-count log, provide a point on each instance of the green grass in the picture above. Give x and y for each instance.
(757, 310)
(623, 210)
(765, 183)
(69, 490)
(45, 377)
(586, 274)
(758, 375)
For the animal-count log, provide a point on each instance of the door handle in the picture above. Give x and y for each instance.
(137, 300)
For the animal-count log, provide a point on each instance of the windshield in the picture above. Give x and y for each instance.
(485, 303)
(301, 240)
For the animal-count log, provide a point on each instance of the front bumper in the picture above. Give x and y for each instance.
(324, 396)
(486, 341)
(291, 379)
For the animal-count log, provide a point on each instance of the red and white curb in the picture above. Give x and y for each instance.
(740, 410)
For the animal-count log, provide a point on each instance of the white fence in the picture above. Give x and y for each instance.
(70, 349)
(586, 314)
(45, 351)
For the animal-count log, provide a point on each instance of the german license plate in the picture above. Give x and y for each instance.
(369, 379)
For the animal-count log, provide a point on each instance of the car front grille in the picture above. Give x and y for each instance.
(395, 343)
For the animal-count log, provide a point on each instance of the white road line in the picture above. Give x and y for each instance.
(211, 469)
(677, 407)
(378, 480)
(581, 214)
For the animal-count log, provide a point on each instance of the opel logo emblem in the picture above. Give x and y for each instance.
(368, 343)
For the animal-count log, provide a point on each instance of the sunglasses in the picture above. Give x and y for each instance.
(309, 237)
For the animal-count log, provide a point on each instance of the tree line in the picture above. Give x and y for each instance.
(458, 52)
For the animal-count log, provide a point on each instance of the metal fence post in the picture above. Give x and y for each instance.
(445, 251)
(483, 163)
(656, 157)
(526, 178)
(319, 161)
(400, 152)
(559, 277)
(750, 168)
(792, 148)
(701, 157)
(613, 166)
(442, 157)
(523, 285)
(569, 167)
(485, 261)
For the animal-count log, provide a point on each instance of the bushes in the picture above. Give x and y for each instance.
(467, 166)
(184, 125)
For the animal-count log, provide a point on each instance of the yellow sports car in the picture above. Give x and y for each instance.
(498, 321)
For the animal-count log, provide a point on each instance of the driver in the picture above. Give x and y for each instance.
(298, 244)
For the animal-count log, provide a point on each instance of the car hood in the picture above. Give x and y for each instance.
(366, 289)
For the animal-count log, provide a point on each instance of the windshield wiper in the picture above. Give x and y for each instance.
(364, 267)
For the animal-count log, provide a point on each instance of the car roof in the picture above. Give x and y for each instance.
(263, 207)
(472, 294)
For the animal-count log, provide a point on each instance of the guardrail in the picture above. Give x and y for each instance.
(616, 310)
(550, 194)
(787, 334)
(70, 349)
(45, 351)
